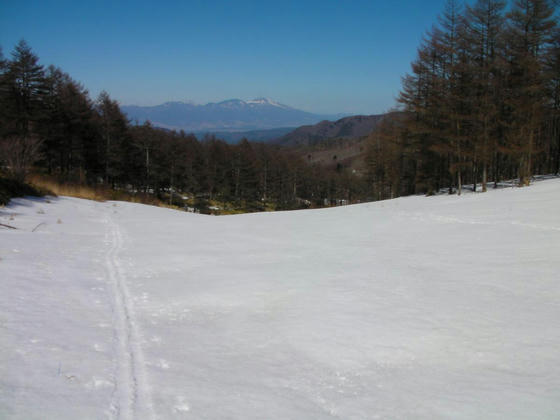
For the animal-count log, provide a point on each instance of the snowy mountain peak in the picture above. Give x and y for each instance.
(262, 101)
(231, 103)
(254, 102)
(266, 101)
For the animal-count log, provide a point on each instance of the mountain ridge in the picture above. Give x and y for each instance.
(228, 115)
(356, 126)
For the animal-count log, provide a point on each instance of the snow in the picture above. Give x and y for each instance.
(266, 101)
(425, 308)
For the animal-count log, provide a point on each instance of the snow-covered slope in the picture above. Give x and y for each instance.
(415, 308)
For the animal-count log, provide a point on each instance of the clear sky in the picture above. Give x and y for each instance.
(325, 56)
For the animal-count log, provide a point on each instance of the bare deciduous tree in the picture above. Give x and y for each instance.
(19, 153)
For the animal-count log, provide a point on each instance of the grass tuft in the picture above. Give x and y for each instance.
(96, 193)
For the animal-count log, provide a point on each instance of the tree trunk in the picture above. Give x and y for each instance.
(459, 180)
(171, 186)
(484, 176)
(496, 169)
(474, 170)
(528, 173)
(265, 181)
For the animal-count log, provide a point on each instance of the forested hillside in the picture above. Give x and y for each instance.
(344, 128)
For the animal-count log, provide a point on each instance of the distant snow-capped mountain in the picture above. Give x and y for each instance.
(231, 115)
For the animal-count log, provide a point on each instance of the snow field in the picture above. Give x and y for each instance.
(424, 308)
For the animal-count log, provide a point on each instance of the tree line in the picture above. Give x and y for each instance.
(49, 122)
(481, 104)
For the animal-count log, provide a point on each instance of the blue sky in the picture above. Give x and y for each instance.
(322, 56)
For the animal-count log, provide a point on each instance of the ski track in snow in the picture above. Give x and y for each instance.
(131, 396)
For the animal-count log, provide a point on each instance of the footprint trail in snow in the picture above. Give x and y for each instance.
(131, 397)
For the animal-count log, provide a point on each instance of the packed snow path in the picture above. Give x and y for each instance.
(131, 399)
(414, 308)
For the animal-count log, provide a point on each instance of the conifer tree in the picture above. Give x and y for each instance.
(22, 95)
(531, 26)
(485, 20)
(115, 137)
(26, 90)
(4, 90)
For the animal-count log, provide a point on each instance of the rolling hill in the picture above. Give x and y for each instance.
(345, 128)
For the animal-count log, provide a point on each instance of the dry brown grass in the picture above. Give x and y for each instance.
(99, 193)
(73, 190)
